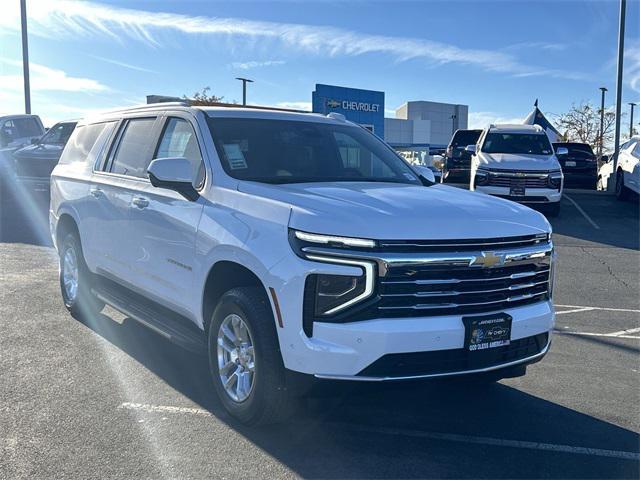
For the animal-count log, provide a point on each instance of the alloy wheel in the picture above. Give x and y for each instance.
(236, 359)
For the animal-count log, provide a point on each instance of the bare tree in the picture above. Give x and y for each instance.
(204, 97)
(582, 124)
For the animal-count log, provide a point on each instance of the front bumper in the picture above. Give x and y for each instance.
(532, 195)
(343, 351)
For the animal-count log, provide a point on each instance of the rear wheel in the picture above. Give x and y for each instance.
(76, 280)
(622, 193)
(245, 360)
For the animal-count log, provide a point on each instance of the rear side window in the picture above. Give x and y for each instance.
(179, 140)
(83, 145)
(131, 155)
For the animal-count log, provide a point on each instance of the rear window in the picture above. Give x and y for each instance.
(83, 145)
(12, 130)
(462, 138)
(579, 149)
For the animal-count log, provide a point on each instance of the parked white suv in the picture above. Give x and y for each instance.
(627, 177)
(291, 246)
(517, 162)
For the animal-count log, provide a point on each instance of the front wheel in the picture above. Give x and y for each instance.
(245, 360)
(76, 281)
(553, 210)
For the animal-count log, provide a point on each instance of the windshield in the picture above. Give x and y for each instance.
(520, 143)
(58, 134)
(284, 151)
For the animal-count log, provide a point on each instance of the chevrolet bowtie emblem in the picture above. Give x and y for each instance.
(488, 259)
(333, 103)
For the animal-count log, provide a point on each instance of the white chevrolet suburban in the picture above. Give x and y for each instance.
(517, 162)
(291, 246)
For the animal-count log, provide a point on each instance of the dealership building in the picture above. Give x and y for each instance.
(418, 128)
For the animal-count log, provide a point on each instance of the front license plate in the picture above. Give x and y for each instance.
(516, 191)
(569, 163)
(489, 331)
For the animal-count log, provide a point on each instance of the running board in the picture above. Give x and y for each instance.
(159, 319)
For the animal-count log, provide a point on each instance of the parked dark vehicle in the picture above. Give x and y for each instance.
(34, 163)
(580, 165)
(457, 161)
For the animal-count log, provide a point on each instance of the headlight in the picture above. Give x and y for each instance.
(482, 177)
(334, 293)
(332, 240)
(555, 180)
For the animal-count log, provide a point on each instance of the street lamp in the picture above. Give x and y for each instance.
(603, 89)
(244, 88)
(25, 57)
(632, 105)
(453, 123)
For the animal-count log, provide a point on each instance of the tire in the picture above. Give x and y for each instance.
(259, 386)
(553, 210)
(80, 301)
(622, 192)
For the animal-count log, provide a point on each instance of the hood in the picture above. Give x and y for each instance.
(398, 211)
(511, 161)
(44, 151)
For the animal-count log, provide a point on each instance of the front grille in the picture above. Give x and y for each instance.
(514, 182)
(422, 290)
(455, 360)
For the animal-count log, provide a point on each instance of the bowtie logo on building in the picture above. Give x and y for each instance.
(333, 103)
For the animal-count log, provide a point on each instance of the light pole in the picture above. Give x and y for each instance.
(453, 124)
(632, 105)
(25, 57)
(244, 88)
(603, 89)
(616, 145)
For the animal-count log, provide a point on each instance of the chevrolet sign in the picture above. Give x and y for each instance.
(353, 105)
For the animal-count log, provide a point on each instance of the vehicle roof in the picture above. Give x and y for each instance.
(516, 128)
(227, 111)
(18, 115)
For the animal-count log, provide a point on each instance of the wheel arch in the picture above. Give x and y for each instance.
(66, 224)
(222, 277)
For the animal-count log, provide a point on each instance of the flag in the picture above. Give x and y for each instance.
(536, 117)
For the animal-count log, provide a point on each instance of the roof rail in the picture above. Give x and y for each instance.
(150, 106)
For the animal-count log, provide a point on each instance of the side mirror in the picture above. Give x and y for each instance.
(562, 151)
(173, 173)
(426, 174)
(470, 149)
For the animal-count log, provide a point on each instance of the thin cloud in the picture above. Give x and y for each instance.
(256, 64)
(56, 18)
(483, 119)
(306, 106)
(44, 78)
(123, 64)
(632, 56)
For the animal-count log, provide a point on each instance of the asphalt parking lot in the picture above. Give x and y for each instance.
(110, 399)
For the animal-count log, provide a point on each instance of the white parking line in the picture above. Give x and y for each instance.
(593, 334)
(450, 437)
(608, 309)
(575, 310)
(584, 214)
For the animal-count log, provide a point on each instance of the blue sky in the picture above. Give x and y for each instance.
(497, 57)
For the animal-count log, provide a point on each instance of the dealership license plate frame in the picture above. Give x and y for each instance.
(481, 331)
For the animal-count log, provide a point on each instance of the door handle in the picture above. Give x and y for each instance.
(140, 202)
(95, 192)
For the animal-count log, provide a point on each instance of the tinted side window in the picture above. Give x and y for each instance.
(82, 145)
(636, 151)
(131, 155)
(179, 140)
(28, 127)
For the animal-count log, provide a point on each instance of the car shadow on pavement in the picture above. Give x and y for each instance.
(394, 430)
